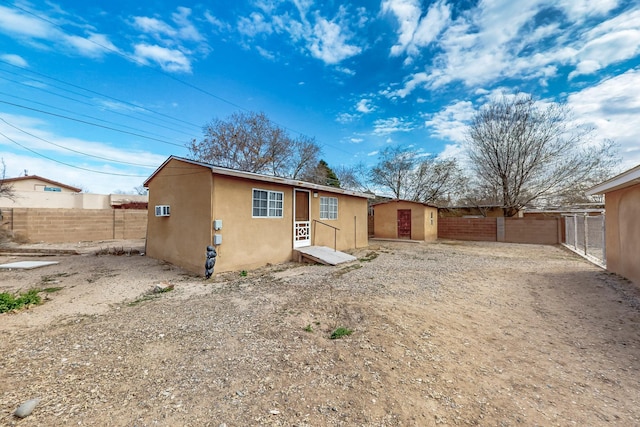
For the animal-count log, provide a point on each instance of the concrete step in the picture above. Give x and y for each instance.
(324, 255)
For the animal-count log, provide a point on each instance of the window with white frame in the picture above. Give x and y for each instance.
(267, 204)
(328, 208)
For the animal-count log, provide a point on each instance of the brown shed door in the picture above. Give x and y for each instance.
(404, 223)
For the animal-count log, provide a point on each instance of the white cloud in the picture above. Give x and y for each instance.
(16, 60)
(504, 39)
(153, 26)
(451, 123)
(171, 60)
(612, 108)
(326, 39)
(356, 140)
(416, 31)
(217, 23)
(614, 40)
(410, 85)
(391, 125)
(255, 24)
(43, 32)
(579, 10)
(364, 106)
(372, 153)
(265, 53)
(329, 42)
(345, 118)
(94, 46)
(186, 29)
(17, 24)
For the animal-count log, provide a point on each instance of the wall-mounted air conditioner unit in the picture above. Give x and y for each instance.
(163, 210)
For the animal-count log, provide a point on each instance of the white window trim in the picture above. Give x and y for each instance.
(328, 212)
(270, 198)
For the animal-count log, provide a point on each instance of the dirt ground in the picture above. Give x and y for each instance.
(447, 333)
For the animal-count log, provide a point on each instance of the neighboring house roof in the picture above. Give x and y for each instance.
(406, 201)
(618, 182)
(46, 180)
(217, 170)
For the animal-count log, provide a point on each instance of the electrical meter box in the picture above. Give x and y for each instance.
(217, 239)
(217, 224)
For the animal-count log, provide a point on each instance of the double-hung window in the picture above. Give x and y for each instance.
(267, 204)
(328, 208)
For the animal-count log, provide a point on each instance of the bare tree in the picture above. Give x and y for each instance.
(253, 143)
(6, 189)
(524, 152)
(412, 176)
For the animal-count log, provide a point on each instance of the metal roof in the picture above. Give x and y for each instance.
(218, 170)
(625, 179)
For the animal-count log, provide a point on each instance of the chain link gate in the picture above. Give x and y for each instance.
(585, 235)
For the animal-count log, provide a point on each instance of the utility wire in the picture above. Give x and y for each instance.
(89, 123)
(72, 112)
(160, 71)
(93, 105)
(68, 164)
(75, 151)
(166, 116)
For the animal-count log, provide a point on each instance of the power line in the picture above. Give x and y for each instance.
(68, 164)
(166, 116)
(77, 100)
(91, 124)
(72, 112)
(160, 71)
(76, 151)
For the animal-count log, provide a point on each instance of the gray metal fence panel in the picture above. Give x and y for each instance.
(585, 235)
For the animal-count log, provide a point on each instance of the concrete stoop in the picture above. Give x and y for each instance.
(324, 255)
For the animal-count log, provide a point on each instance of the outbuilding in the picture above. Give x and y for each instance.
(622, 223)
(250, 219)
(404, 219)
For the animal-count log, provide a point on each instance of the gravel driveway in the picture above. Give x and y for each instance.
(447, 333)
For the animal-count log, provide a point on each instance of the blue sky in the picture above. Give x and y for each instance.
(98, 94)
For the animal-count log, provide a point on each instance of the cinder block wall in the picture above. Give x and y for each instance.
(483, 229)
(516, 230)
(74, 225)
(544, 231)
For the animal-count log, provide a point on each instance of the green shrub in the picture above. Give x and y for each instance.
(9, 302)
(340, 332)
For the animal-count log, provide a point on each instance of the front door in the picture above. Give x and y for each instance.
(404, 223)
(301, 218)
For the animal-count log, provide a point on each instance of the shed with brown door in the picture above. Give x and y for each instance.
(405, 220)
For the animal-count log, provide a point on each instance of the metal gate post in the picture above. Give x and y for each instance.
(604, 240)
(586, 232)
(575, 231)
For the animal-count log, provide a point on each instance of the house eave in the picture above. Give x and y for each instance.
(618, 182)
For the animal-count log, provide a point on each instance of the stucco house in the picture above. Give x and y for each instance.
(403, 219)
(622, 222)
(251, 219)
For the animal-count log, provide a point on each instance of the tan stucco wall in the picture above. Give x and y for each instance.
(249, 242)
(351, 222)
(181, 238)
(623, 232)
(423, 226)
(34, 184)
(197, 198)
(66, 200)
